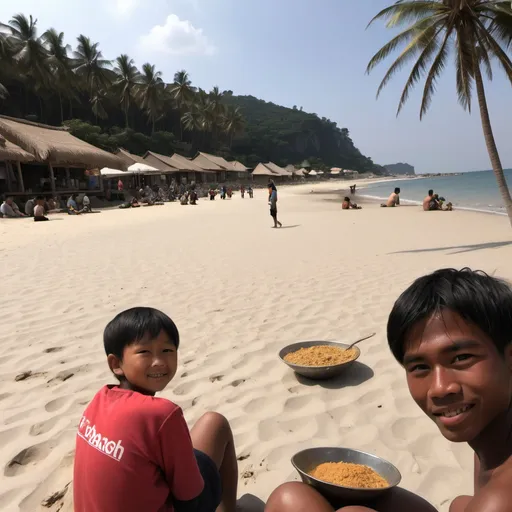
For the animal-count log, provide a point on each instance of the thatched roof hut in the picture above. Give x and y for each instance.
(171, 164)
(129, 158)
(9, 151)
(262, 170)
(55, 145)
(280, 171)
(239, 166)
(213, 163)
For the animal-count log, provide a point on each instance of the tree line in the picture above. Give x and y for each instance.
(43, 79)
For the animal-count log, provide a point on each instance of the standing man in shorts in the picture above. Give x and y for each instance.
(272, 201)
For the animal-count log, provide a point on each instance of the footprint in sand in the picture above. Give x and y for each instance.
(185, 388)
(58, 403)
(52, 349)
(44, 426)
(29, 456)
(297, 403)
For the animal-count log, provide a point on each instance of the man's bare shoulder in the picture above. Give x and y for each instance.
(495, 496)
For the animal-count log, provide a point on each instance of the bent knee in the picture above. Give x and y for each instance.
(215, 420)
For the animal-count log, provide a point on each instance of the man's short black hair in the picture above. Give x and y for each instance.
(478, 298)
(430, 192)
(133, 324)
(397, 190)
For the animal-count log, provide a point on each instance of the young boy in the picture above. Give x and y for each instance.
(134, 452)
(452, 332)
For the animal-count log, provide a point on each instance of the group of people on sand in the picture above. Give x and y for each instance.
(226, 192)
(451, 331)
(432, 202)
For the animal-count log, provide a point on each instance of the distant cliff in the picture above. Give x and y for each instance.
(400, 168)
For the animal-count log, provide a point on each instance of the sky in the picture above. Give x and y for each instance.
(308, 53)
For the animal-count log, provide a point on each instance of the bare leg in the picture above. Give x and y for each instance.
(212, 435)
(299, 497)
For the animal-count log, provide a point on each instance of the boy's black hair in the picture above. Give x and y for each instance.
(133, 324)
(430, 192)
(478, 298)
(346, 199)
(397, 190)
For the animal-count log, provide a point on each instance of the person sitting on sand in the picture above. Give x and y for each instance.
(434, 203)
(184, 199)
(393, 199)
(29, 207)
(348, 204)
(86, 204)
(10, 209)
(427, 199)
(72, 205)
(193, 197)
(39, 212)
(134, 451)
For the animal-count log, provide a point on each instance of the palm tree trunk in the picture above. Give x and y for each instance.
(491, 143)
(61, 109)
(126, 117)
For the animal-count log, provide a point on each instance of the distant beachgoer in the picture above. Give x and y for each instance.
(353, 189)
(230, 192)
(86, 204)
(224, 192)
(242, 191)
(273, 208)
(434, 203)
(72, 205)
(427, 199)
(193, 197)
(348, 204)
(10, 209)
(29, 207)
(393, 199)
(212, 193)
(250, 191)
(39, 213)
(120, 185)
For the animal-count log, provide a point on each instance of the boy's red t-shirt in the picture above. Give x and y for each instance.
(133, 452)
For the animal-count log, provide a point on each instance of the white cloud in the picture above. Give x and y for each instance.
(177, 37)
(123, 8)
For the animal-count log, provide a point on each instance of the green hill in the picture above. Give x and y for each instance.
(290, 136)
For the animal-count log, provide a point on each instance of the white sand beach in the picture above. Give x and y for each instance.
(238, 291)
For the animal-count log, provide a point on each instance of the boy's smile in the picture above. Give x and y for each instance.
(457, 376)
(148, 365)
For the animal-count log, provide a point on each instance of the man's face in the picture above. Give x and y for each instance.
(9, 201)
(457, 376)
(148, 365)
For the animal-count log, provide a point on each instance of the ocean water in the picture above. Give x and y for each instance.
(472, 190)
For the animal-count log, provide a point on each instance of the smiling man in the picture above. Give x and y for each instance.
(452, 332)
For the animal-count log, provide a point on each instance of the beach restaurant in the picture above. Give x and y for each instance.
(270, 170)
(41, 159)
(225, 171)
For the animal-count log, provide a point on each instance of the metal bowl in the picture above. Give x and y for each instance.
(317, 372)
(307, 460)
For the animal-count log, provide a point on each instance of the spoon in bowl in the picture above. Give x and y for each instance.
(362, 339)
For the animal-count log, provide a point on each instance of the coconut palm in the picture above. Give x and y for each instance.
(62, 77)
(126, 82)
(28, 53)
(90, 65)
(150, 93)
(476, 31)
(182, 92)
(5, 64)
(233, 123)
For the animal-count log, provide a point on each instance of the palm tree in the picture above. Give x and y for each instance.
(150, 93)
(182, 92)
(28, 52)
(233, 123)
(127, 80)
(5, 64)
(90, 65)
(476, 30)
(60, 65)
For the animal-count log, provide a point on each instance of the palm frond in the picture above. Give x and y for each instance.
(403, 37)
(436, 69)
(500, 27)
(407, 11)
(425, 41)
